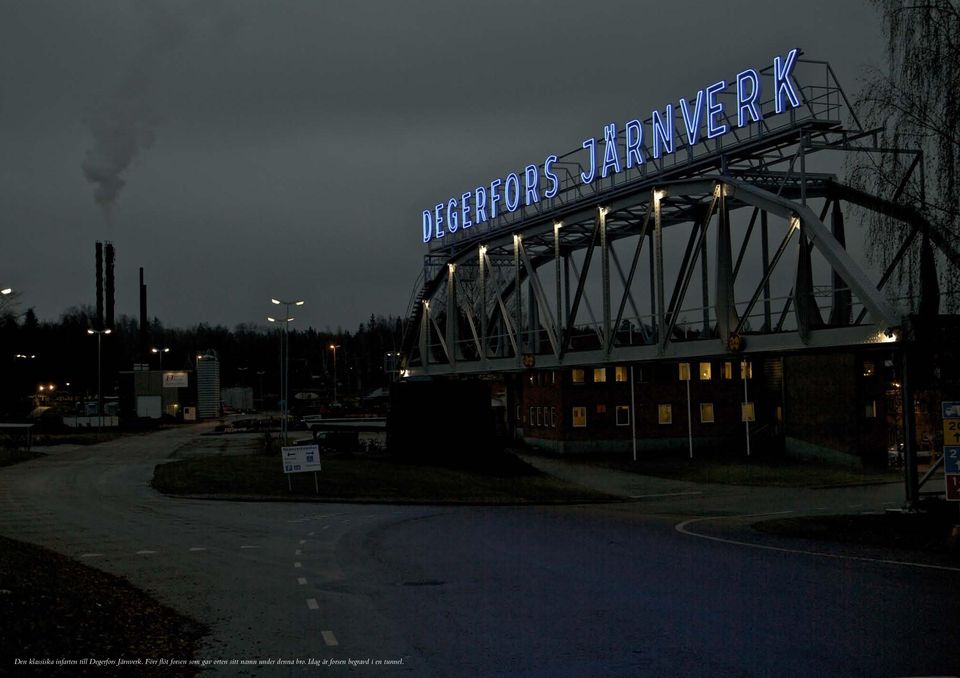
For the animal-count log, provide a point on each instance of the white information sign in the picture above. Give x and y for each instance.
(301, 458)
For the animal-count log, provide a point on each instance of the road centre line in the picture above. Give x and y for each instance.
(297, 552)
(297, 564)
(682, 528)
(302, 542)
(91, 555)
(247, 546)
(329, 638)
(198, 548)
(312, 604)
(146, 552)
(302, 581)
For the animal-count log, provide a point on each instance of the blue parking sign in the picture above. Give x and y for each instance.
(951, 459)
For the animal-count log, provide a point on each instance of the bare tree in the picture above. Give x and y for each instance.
(915, 103)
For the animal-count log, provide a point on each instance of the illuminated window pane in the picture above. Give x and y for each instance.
(579, 417)
(601, 408)
(577, 375)
(621, 374)
(706, 413)
(705, 372)
(623, 415)
(684, 371)
(665, 413)
(600, 375)
(746, 369)
(728, 370)
(868, 369)
(871, 410)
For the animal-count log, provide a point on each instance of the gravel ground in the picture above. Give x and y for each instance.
(53, 609)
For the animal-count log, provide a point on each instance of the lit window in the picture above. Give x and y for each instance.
(868, 368)
(601, 408)
(665, 413)
(706, 413)
(553, 417)
(746, 369)
(577, 375)
(623, 415)
(599, 375)
(871, 410)
(579, 417)
(705, 372)
(684, 371)
(620, 373)
(728, 370)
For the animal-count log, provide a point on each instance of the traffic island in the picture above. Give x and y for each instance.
(355, 478)
(931, 531)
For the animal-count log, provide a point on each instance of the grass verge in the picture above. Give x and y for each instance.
(352, 478)
(765, 472)
(54, 608)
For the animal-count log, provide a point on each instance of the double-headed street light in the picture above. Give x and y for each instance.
(284, 362)
(160, 352)
(99, 334)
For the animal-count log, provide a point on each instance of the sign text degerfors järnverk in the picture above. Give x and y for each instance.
(706, 112)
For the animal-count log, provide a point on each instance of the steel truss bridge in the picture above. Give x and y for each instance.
(735, 245)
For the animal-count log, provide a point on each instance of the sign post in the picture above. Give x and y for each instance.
(951, 448)
(302, 459)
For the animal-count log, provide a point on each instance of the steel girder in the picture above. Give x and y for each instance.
(500, 306)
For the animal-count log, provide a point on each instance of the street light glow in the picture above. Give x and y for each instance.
(6, 290)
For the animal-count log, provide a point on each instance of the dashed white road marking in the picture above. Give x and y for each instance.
(146, 552)
(682, 528)
(312, 604)
(329, 638)
(302, 542)
(302, 581)
(324, 527)
(248, 546)
(297, 552)
(310, 534)
(297, 564)
(91, 555)
(198, 548)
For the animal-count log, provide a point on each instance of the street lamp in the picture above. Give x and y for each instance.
(334, 347)
(160, 352)
(284, 361)
(6, 290)
(99, 334)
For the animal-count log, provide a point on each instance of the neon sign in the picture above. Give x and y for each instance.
(705, 112)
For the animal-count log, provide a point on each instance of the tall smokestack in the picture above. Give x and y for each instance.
(144, 336)
(109, 287)
(99, 285)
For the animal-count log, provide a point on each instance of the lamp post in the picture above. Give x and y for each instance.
(160, 352)
(284, 361)
(334, 347)
(99, 334)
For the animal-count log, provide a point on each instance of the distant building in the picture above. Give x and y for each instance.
(208, 385)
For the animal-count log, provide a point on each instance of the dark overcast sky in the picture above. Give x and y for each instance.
(288, 148)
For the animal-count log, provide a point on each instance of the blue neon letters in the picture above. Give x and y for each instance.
(709, 110)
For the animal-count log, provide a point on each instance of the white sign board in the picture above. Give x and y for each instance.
(175, 380)
(301, 458)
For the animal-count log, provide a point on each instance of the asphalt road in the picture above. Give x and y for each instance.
(510, 591)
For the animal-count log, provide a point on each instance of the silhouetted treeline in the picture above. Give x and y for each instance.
(62, 353)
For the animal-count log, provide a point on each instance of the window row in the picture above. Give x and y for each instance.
(621, 373)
